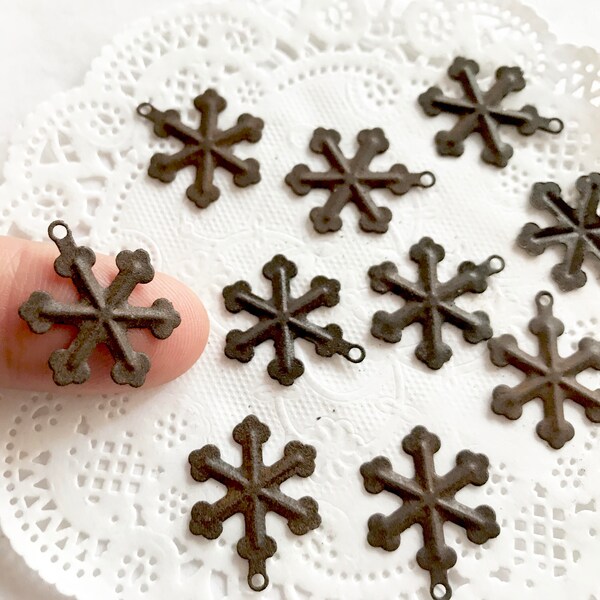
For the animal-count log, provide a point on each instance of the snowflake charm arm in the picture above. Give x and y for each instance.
(548, 376)
(481, 112)
(428, 500)
(577, 229)
(283, 318)
(102, 316)
(205, 149)
(253, 490)
(351, 180)
(431, 303)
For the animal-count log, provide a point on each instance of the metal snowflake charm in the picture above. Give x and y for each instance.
(102, 315)
(481, 112)
(253, 490)
(283, 318)
(548, 376)
(205, 148)
(431, 303)
(577, 229)
(428, 500)
(350, 180)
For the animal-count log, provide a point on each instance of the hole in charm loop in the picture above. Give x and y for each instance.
(58, 230)
(355, 353)
(555, 125)
(441, 591)
(544, 299)
(427, 179)
(258, 582)
(144, 109)
(496, 263)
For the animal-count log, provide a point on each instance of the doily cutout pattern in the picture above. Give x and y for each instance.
(95, 493)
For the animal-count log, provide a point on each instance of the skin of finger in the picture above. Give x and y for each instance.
(29, 266)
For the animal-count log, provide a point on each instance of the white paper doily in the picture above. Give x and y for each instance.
(96, 491)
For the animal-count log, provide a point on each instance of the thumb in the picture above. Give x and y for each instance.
(29, 266)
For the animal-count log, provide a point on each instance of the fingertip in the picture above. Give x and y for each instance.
(24, 355)
(174, 356)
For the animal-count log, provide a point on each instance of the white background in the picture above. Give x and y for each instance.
(46, 46)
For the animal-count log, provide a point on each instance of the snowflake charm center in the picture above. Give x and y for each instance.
(554, 376)
(105, 314)
(432, 301)
(252, 492)
(284, 318)
(350, 180)
(206, 145)
(430, 500)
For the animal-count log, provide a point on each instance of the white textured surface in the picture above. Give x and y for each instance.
(85, 151)
(46, 47)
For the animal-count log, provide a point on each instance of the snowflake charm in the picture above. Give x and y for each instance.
(102, 316)
(253, 490)
(350, 180)
(577, 229)
(283, 318)
(205, 148)
(548, 376)
(431, 303)
(428, 500)
(481, 112)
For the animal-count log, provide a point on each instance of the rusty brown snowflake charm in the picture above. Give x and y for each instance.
(429, 500)
(101, 315)
(577, 229)
(253, 490)
(481, 112)
(352, 181)
(283, 318)
(548, 376)
(204, 148)
(431, 303)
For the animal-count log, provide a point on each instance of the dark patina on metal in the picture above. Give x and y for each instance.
(429, 500)
(101, 315)
(253, 490)
(481, 112)
(431, 303)
(283, 318)
(548, 376)
(204, 148)
(351, 180)
(577, 229)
